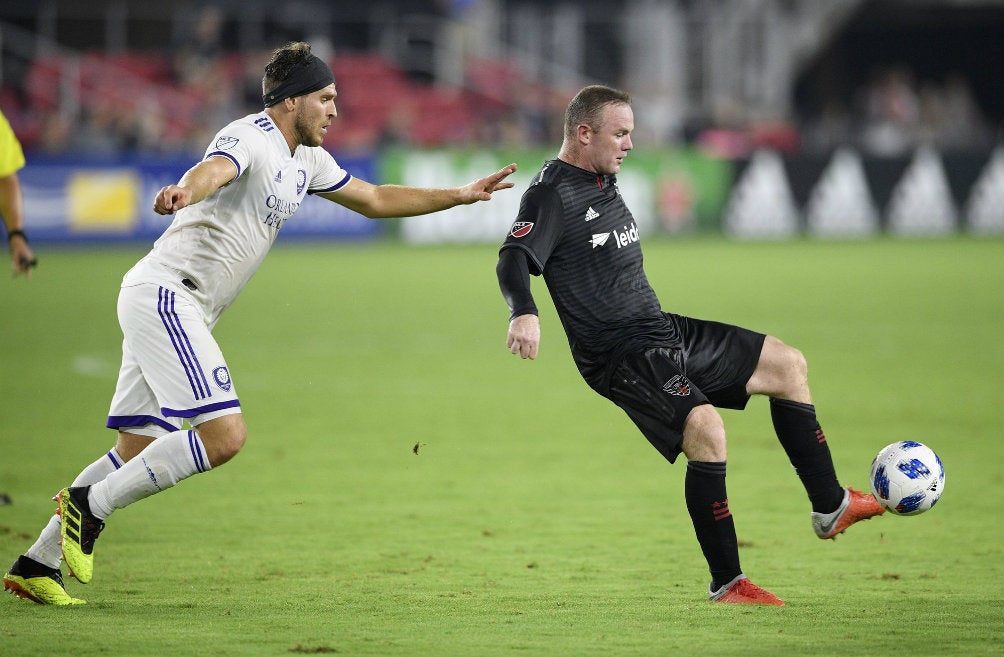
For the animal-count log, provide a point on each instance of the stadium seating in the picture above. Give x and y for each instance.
(377, 103)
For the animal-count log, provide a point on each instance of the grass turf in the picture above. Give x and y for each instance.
(410, 488)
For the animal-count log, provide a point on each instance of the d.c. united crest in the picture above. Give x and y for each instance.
(678, 386)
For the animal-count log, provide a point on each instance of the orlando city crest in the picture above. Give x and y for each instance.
(222, 377)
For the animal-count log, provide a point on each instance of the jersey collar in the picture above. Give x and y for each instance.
(601, 180)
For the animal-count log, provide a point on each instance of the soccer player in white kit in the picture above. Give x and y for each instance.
(229, 209)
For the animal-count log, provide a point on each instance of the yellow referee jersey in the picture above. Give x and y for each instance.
(11, 154)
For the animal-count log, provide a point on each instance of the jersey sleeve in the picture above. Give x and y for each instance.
(538, 226)
(328, 176)
(238, 142)
(513, 272)
(11, 154)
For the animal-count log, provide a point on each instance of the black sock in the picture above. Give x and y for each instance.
(27, 567)
(804, 442)
(708, 505)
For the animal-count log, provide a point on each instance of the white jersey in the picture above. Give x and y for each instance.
(219, 243)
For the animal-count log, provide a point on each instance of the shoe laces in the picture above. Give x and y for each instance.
(90, 529)
(57, 577)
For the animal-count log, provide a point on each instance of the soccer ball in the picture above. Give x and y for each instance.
(907, 478)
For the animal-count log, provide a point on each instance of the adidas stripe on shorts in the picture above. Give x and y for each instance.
(172, 368)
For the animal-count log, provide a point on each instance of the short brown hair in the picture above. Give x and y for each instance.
(284, 61)
(588, 104)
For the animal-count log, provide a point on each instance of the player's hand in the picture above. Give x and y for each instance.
(524, 336)
(482, 188)
(172, 198)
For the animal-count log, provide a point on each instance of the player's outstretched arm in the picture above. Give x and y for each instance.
(383, 201)
(198, 182)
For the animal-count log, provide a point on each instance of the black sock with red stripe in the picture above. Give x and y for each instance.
(708, 505)
(804, 442)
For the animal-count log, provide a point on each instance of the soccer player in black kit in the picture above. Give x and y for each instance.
(666, 371)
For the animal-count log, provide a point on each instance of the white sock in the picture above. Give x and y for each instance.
(100, 469)
(46, 549)
(163, 463)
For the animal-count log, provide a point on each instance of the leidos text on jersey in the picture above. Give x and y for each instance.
(628, 236)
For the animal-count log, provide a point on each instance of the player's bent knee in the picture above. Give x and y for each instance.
(223, 437)
(128, 445)
(704, 435)
(795, 366)
(783, 369)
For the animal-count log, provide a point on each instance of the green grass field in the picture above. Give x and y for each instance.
(534, 519)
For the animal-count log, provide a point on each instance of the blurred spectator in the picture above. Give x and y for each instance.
(170, 103)
(199, 47)
(829, 129)
(396, 129)
(896, 113)
(726, 136)
(249, 87)
(964, 124)
(100, 130)
(892, 113)
(537, 124)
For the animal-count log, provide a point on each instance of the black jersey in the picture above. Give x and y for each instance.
(581, 237)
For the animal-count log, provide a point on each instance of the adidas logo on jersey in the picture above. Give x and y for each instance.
(621, 238)
(591, 214)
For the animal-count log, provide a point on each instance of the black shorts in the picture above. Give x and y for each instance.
(658, 386)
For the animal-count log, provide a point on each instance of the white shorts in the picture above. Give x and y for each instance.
(172, 368)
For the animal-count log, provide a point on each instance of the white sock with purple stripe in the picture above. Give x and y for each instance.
(46, 549)
(164, 462)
